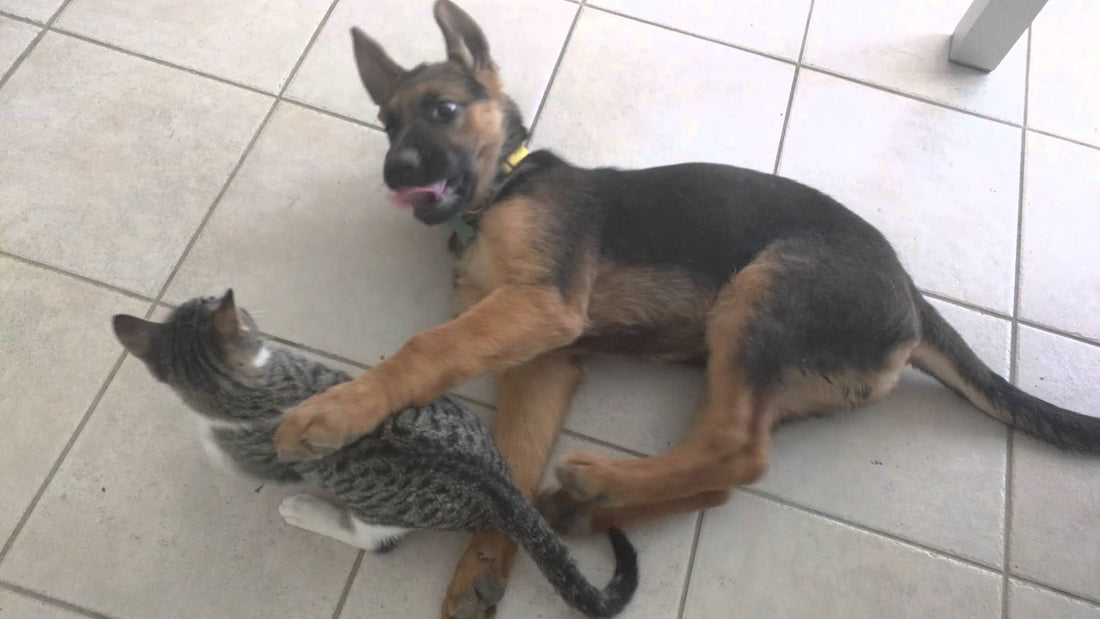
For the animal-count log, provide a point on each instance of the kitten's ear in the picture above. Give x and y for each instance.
(377, 70)
(227, 321)
(135, 334)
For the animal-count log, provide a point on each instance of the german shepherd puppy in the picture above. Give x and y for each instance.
(794, 303)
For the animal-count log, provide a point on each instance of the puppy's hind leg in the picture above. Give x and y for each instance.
(317, 515)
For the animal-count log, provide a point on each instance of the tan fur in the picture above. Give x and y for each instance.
(944, 369)
(729, 444)
(666, 301)
(806, 394)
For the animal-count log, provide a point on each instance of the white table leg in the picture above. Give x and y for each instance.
(989, 29)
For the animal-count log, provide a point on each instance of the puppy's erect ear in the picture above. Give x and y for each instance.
(466, 44)
(227, 321)
(135, 334)
(377, 70)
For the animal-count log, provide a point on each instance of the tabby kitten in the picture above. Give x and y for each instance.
(434, 467)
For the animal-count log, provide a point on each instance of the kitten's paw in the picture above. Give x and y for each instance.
(306, 511)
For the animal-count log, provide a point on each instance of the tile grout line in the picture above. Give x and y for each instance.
(602, 443)
(1056, 591)
(83, 278)
(244, 155)
(691, 563)
(1014, 348)
(348, 584)
(693, 35)
(907, 95)
(794, 86)
(1064, 138)
(20, 18)
(554, 72)
(1008, 317)
(33, 44)
(61, 458)
(164, 63)
(894, 537)
(315, 108)
(52, 601)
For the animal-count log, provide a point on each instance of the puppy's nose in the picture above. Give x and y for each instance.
(402, 168)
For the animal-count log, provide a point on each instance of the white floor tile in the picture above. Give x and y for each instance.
(1063, 92)
(1030, 602)
(903, 45)
(1060, 370)
(1060, 261)
(767, 560)
(664, 102)
(1055, 539)
(56, 349)
(15, 36)
(38, 10)
(15, 606)
(253, 42)
(942, 186)
(118, 159)
(770, 26)
(642, 406)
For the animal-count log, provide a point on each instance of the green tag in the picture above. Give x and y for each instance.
(464, 232)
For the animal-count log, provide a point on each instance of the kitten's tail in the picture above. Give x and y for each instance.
(530, 530)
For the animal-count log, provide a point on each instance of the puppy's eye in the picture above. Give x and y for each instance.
(444, 111)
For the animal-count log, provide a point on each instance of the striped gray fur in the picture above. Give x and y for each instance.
(434, 467)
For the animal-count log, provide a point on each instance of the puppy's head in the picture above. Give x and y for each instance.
(448, 123)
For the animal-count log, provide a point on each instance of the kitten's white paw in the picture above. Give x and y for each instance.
(306, 511)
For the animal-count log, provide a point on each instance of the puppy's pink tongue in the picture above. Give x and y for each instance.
(410, 196)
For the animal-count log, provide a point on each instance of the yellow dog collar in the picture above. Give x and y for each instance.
(511, 161)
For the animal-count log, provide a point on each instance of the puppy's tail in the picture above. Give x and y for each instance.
(528, 528)
(943, 354)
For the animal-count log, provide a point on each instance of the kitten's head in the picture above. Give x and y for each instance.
(204, 339)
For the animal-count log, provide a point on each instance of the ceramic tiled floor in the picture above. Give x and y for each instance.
(154, 150)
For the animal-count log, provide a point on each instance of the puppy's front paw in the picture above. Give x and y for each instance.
(567, 514)
(588, 477)
(327, 422)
